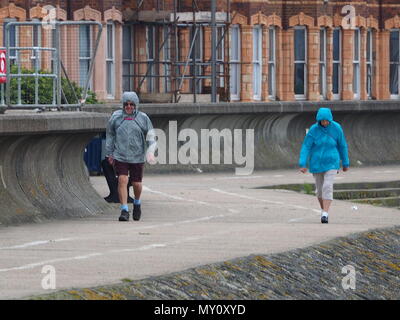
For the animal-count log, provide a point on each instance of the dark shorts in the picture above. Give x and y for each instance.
(134, 170)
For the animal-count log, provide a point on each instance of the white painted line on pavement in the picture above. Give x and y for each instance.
(191, 200)
(171, 224)
(98, 254)
(237, 178)
(36, 243)
(268, 201)
(42, 263)
(245, 197)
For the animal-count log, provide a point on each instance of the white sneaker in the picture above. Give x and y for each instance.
(324, 217)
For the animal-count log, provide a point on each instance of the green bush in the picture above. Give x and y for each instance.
(45, 89)
(308, 188)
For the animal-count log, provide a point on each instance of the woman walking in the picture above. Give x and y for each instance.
(323, 148)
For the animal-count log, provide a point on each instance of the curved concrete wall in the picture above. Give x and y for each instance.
(42, 172)
(43, 176)
(373, 138)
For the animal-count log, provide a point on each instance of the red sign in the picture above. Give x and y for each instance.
(3, 66)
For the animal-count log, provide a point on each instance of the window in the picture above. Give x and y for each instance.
(84, 54)
(13, 36)
(36, 42)
(110, 62)
(257, 61)
(220, 55)
(151, 52)
(235, 63)
(337, 57)
(356, 64)
(127, 58)
(300, 65)
(53, 53)
(322, 63)
(394, 63)
(272, 63)
(370, 63)
(197, 53)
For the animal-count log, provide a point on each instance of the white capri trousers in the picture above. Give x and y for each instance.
(324, 184)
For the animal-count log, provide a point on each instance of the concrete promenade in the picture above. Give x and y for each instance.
(187, 221)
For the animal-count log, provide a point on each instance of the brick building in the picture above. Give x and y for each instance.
(275, 49)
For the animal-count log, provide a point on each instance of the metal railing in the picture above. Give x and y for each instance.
(13, 100)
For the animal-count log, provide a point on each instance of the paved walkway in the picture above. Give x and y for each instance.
(188, 220)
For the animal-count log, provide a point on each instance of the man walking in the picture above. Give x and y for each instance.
(129, 132)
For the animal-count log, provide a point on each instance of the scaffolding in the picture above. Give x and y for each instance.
(177, 68)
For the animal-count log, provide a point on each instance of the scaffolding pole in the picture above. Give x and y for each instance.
(178, 69)
(213, 52)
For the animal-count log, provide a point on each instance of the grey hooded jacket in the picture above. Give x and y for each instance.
(129, 135)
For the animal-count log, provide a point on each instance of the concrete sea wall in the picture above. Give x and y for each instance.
(371, 127)
(42, 172)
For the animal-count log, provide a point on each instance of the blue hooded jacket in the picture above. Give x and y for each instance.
(324, 148)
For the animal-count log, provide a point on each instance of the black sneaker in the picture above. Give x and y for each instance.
(137, 212)
(111, 199)
(124, 215)
(324, 219)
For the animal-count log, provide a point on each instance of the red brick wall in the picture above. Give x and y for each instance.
(303, 12)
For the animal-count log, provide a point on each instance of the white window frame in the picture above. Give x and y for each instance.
(36, 29)
(301, 96)
(110, 61)
(53, 45)
(395, 96)
(235, 67)
(370, 62)
(127, 62)
(13, 58)
(150, 80)
(220, 56)
(87, 58)
(336, 96)
(356, 63)
(257, 62)
(272, 63)
(323, 63)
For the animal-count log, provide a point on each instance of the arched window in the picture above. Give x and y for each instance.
(356, 64)
(235, 62)
(85, 52)
(337, 63)
(272, 63)
(394, 62)
(322, 62)
(110, 59)
(300, 62)
(370, 62)
(257, 62)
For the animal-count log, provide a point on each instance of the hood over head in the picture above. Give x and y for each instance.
(324, 114)
(132, 97)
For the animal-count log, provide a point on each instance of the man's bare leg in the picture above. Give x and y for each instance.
(137, 211)
(137, 189)
(123, 189)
